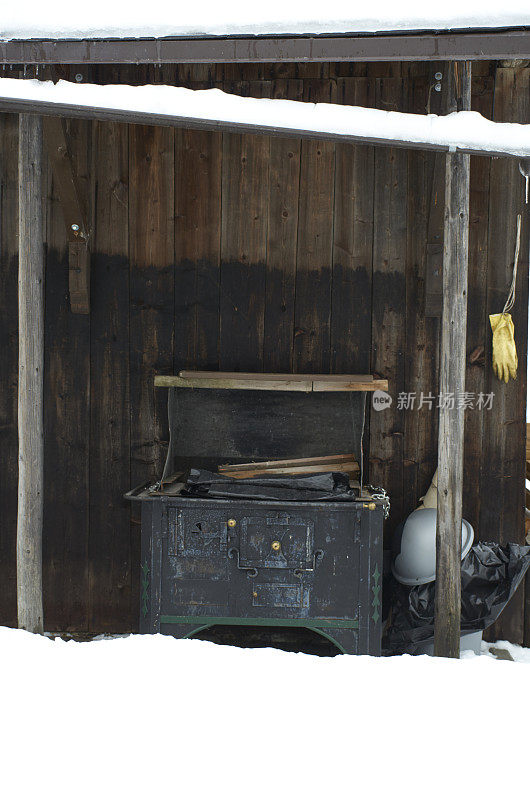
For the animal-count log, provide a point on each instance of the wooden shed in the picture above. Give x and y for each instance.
(244, 252)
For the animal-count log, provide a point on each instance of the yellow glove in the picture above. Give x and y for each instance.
(504, 352)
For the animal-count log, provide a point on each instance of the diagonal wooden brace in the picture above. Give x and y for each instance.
(74, 213)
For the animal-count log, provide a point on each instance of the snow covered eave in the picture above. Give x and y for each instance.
(136, 20)
(212, 109)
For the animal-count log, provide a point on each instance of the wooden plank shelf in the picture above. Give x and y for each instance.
(272, 382)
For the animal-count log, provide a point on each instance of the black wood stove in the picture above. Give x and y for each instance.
(269, 564)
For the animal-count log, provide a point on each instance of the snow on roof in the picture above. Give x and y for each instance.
(465, 130)
(60, 19)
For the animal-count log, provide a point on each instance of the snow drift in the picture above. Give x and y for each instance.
(153, 717)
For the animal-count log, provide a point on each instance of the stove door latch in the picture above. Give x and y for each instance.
(234, 553)
(318, 555)
(298, 571)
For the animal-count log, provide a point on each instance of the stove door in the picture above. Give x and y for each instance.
(276, 540)
(200, 532)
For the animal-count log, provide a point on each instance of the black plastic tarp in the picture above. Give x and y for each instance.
(324, 486)
(491, 574)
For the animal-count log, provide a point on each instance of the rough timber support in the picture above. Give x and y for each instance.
(30, 376)
(452, 383)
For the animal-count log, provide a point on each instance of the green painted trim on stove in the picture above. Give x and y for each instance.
(325, 634)
(169, 619)
(145, 587)
(376, 589)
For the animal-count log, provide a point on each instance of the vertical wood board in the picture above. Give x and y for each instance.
(197, 248)
(502, 479)
(282, 232)
(478, 328)
(9, 364)
(315, 245)
(420, 443)
(110, 549)
(67, 420)
(388, 306)
(353, 214)
(151, 254)
(30, 374)
(245, 183)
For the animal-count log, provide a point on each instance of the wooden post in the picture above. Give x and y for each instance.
(30, 375)
(452, 383)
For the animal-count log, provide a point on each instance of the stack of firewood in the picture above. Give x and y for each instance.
(294, 466)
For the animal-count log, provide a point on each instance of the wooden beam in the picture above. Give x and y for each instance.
(452, 383)
(272, 382)
(30, 376)
(74, 213)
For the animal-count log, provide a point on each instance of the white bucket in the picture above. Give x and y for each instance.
(468, 641)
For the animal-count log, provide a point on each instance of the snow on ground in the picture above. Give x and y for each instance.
(518, 653)
(135, 18)
(466, 129)
(153, 717)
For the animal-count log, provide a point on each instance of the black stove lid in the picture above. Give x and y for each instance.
(209, 427)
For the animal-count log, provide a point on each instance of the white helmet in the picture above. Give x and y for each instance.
(416, 562)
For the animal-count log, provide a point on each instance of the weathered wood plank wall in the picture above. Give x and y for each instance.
(239, 252)
(504, 428)
(9, 364)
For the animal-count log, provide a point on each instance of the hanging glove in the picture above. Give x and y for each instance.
(504, 352)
